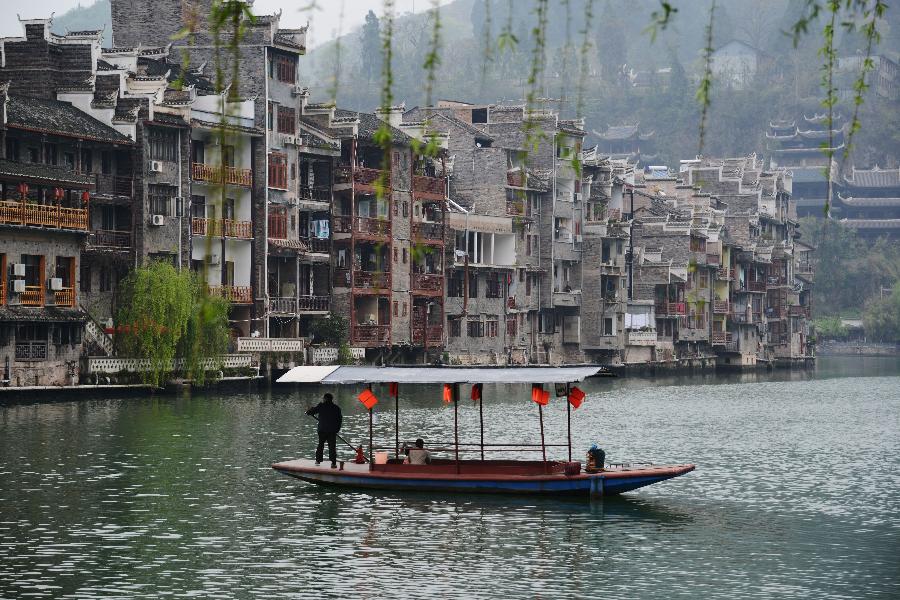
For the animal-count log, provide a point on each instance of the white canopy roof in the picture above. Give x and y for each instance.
(348, 375)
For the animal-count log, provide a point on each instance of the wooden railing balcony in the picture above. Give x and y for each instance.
(371, 279)
(286, 306)
(32, 296)
(518, 208)
(114, 185)
(434, 334)
(317, 245)
(362, 176)
(31, 350)
(756, 286)
(712, 259)
(218, 227)
(515, 178)
(341, 224)
(108, 239)
(221, 174)
(43, 215)
(370, 226)
(371, 334)
(278, 226)
(319, 193)
(723, 273)
(232, 293)
(698, 257)
(797, 310)
(341, 278)
(313, 303)
(431, 186)
(776, 281)
(721, 307)
(428, 231)
(670, 308)
(64, 297)
(720, 338)
(427, 282)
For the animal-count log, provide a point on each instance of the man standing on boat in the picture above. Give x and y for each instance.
(329, 418)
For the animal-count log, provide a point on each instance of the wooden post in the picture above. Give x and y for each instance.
(543, 447)
(481, 420)
(569, 420)
(371, 449)
(456, 424)
(397, 421)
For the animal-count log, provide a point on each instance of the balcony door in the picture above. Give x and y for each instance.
(229, 273)
(198, 152)
(228, 212)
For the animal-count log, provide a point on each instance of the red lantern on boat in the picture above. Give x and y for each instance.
(539, 394)
(576, 397)
(368, 399)
(476, 391)
(394, 389)
(448, 393)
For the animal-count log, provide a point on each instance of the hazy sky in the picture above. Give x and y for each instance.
(324, 19)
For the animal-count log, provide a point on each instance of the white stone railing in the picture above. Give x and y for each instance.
(641, 338)
(325, 355)
(111, 366)
(247, 344)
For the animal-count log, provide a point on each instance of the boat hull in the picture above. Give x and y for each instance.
(604, 483)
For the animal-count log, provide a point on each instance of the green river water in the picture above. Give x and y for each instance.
(795, 496)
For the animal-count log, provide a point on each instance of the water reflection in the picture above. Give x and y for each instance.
(794, 497)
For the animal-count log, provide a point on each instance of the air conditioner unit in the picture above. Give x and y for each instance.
(577, 196)
(19, 269)
(158, 220)
(289, 139)
(55, 284)
(19, 286)
(212, 259)
(155, 166)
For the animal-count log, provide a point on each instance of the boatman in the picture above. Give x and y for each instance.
(329, 417)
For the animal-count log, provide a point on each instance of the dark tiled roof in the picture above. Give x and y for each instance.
(319, 126)
(153, 67)
(369, 124)
(42, 173)
(60, 118)
(168, 119)
(226, 127)
(47, 314)
(875, 178)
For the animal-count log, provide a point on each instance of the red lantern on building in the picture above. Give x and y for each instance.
(23, 190)
(85, 197)
(58, 194)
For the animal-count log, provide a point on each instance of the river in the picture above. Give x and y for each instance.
(795, 496)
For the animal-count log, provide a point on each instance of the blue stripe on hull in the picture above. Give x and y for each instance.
(611, 486)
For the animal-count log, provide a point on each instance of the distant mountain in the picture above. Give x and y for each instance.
(83, 18)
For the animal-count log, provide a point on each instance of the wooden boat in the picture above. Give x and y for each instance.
(466, 475)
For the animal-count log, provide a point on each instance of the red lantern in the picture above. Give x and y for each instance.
(58, 193)
(85, 197)
(23, 190)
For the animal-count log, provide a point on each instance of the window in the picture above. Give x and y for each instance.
(511, 327)
(528, 285)
(198, 151)
(547, 322)
(293, 171)
(34, 155)
(285, 68)
(87, 160)
(395, 308)
(278, 170)
(198, 207)
(161, 199)
(105, 279)
(404, 256)
(405, 208)
(85, 278)
(51, 154)
(396, 254)
(608, 326)
(475, 328)
(454, 326)
(270, 117)
(455, 284)
(405, 309)
(473, 285)
(287, 120)
(163, 144)
(69, 160)
(493, 286)
(491, 327)
(12, 149)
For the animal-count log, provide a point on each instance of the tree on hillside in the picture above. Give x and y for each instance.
(611, 44)
(370, 47)
(882, 317)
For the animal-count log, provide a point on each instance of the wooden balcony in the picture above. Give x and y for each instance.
(283, 306)
(432, 187)
(433, 333)
(362, 176)
(428, 231)
(721, 307)
(723, 273)
(341, 278)
(218, 227)
(32, 296)
(518, 208)
(221, 174)
(43, 215)
(379, 280)
(371, 335)
(341, 224)
(720, 338)
(797, 310)
(114, 185)
(64, 297)
(756, 286)
(107, 239)
(232, 293)
(320, 193)
(670, 308)
(374, 227)
(317, 245)
(427, 282)
(712, 259)
(308, 304)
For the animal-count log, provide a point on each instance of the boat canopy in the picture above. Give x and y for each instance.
(350, 375)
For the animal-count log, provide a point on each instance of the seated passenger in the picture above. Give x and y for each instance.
(419, 455)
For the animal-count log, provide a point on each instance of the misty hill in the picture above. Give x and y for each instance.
(82, 18)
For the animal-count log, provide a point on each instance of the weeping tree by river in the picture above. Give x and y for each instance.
(169, 317)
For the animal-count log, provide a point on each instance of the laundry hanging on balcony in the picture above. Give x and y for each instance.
(321, 229)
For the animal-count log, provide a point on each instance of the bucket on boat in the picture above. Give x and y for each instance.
(381, 458)
(572, 468)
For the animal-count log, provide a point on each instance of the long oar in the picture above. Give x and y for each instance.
(352, 447)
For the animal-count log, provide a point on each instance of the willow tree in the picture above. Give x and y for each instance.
(164, 315)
